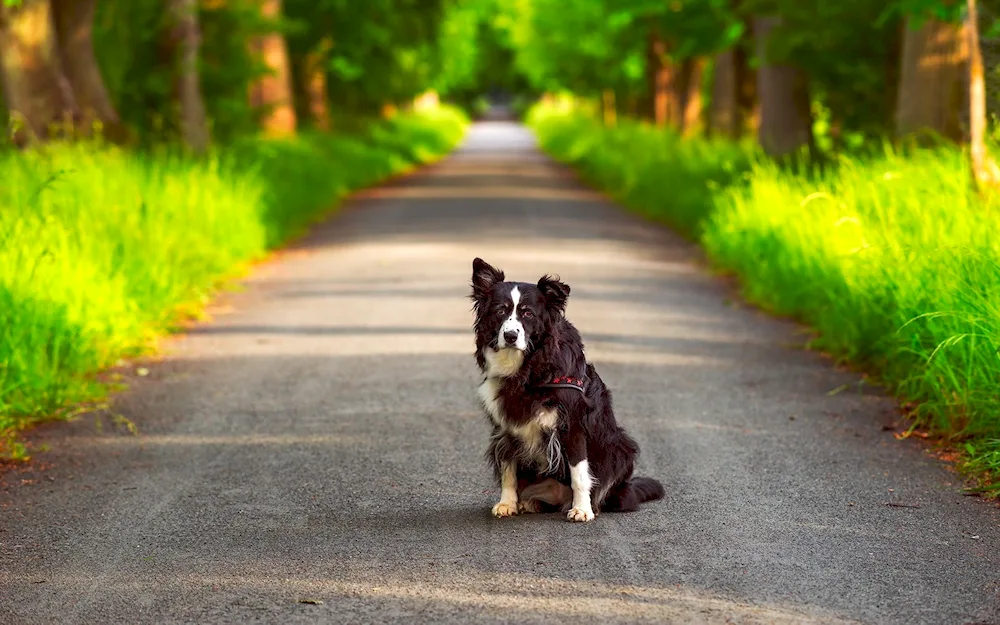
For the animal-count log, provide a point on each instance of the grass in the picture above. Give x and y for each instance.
(890, 257)
(104, 250)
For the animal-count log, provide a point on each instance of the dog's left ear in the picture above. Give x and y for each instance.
(556, 292)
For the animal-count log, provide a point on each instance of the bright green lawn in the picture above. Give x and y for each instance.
(102, 249)
(893, 259)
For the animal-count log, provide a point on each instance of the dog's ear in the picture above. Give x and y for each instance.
(484, 277)
(556, 292)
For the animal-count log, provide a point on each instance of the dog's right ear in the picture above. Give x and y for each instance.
(484, 277)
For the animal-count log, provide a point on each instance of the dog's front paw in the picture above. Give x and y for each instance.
(503, 509)
(580, 515)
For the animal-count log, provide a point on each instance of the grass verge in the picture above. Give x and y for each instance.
(103, 250)
(891, 257)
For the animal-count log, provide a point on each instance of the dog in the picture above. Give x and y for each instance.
(555, 443)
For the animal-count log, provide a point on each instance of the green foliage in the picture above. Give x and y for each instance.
(141, 81)
(944, 10)
(849, 49)
(383, 51)
(857, 251)
(477, 52)
(138, 62)
(102, 249)
(588, 45)
(226, 67)
(677, 179)
(851, 61)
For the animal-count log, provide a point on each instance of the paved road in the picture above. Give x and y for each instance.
(320, 440)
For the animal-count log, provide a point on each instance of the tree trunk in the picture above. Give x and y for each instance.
(676, 91)
(74, 24)
(194, 125)
(608, 107)
(785, 120)
(723, 116)
(632, 106)
(35, 88)
(985, 173)
(932, 80)
(273, 92)
(659, 76)
(691, 120)
(747, 95)
(315, 86)
(733, 110)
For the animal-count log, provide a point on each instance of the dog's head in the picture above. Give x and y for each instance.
(514, 315)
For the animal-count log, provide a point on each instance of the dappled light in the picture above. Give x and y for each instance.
(514, 596)
(256, 440)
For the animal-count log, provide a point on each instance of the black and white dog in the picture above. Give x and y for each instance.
(555, 442)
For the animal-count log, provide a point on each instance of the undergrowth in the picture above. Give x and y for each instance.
(891, 257)
(103, 250)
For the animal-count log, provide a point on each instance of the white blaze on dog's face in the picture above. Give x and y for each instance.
(512, 333)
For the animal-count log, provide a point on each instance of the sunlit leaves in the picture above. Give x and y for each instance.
(588, 45)
(383, 51)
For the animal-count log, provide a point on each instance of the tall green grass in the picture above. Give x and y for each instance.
(645, 168)
(101, 250)
(892, 258)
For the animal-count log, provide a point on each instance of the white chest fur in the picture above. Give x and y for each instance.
(537, 442)
(502, 363)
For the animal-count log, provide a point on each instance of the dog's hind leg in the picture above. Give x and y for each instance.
(549, 491)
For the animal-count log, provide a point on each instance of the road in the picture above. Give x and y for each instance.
(319, 440)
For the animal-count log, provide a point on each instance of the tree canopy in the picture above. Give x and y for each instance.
(348, 58)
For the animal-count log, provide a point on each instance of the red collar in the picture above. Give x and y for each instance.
(565, 381)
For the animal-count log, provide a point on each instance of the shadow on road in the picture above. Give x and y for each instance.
(322, 439)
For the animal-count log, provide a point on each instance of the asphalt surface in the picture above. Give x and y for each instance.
(320, 440)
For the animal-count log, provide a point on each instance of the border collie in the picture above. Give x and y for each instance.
(555, 443)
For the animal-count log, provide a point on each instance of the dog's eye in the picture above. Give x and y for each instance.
(527, 314)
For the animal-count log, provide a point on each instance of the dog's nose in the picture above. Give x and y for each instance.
(510, 337)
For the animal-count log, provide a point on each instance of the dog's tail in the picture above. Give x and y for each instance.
(646, 489)
(638, 490)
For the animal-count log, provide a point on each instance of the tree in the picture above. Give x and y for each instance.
(50, 77)
(733, 107)
(314, 87)
(933, 70)
(660, 77)
(383, 53)
(692, 107)
(74, 25)
(785, 119)
(272, 92)
(186, 38)
(846, 63)
(985, 173)
(39, 97)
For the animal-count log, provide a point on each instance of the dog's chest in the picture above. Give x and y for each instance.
(535, 435)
